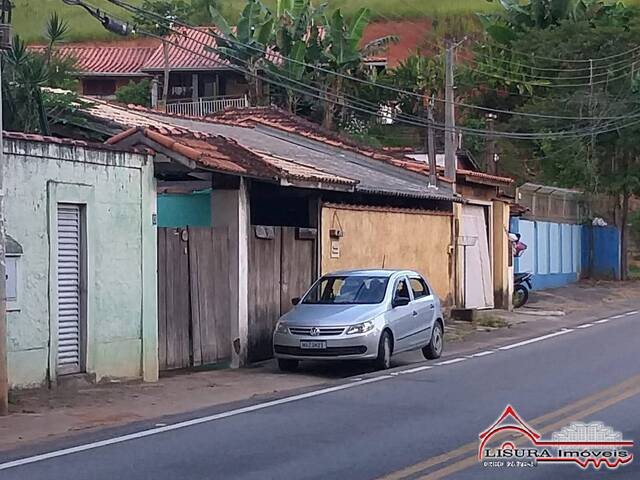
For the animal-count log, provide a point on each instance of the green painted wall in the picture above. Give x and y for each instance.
(184, 210)
(121, 251)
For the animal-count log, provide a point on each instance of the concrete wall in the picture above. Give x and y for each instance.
(375, 237)
(118, 192)
(232, 211)
(553, 254)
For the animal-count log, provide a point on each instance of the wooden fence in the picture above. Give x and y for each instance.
(193, 297)
(282, 265)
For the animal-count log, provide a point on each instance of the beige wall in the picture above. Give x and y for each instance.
(397, 238)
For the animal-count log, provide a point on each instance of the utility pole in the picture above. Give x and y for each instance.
(450, 144)
(431, 147)
(5, 44)
(490, 150)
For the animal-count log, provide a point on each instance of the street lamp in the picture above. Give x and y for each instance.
(109, 23)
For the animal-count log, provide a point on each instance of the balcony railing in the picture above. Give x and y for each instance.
(205, 106)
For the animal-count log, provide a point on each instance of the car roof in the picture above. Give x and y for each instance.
(371, 273)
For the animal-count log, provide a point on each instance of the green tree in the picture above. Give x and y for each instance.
(168, 9)
(246, 44)
(27, 106)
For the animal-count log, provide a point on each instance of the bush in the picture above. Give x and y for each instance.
(136, 93)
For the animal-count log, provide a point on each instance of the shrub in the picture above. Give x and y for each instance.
(136, 93)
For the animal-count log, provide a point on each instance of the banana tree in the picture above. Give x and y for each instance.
(297, 42)
(344, 56)
(246, 44)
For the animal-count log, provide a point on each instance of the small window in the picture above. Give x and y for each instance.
(419, 287)
(402, 291)
(12, 278)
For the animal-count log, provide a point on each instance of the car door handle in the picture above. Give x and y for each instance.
(432, 306)
(414, 313)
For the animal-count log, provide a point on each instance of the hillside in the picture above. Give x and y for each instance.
(30, 15)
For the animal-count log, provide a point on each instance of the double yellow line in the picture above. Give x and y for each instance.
(572, 412)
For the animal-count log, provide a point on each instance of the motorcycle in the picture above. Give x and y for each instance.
(522, 285)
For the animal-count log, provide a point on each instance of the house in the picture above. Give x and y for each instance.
(199, 81)
(283, 210)
(103, 67)
(280, 201)
(82, 261)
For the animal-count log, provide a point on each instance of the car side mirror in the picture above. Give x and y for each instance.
(401, 301)
(295, 301)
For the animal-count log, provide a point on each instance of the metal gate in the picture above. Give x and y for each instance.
(194, 300)
(282, 265)
(69, 263)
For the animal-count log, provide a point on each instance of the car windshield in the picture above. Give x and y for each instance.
(347, 290)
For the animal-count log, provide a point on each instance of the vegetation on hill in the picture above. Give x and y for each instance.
(30, 15)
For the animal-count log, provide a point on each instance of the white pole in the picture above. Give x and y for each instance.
(4, 377)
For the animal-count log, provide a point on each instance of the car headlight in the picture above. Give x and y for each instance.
(282, 328)
(360, 328)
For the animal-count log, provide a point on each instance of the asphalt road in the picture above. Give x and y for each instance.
(416, 424)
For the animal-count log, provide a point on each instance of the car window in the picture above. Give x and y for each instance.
(419, 287)
(356, 289)
(402, 290)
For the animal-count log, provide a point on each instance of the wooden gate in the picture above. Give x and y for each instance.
(194, 301)
(282, 265)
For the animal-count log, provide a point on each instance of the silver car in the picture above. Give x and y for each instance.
(361, 314)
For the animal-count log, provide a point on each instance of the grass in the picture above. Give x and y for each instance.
(491, 322)
(30, 16)
(634, 272)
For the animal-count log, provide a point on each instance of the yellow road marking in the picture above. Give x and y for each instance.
(473, 460)
(630, 383)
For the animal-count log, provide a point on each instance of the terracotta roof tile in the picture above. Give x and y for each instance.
(113, 59)
(181, 55)
(31, 137)
(222, 154)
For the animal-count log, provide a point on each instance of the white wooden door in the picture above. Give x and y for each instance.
(478, 272)
(69, 359)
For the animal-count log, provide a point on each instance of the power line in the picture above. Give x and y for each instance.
(420, 122)
(179, 22)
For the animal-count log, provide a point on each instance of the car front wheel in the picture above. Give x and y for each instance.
(287, 364)
(434, 349)
(383, 362)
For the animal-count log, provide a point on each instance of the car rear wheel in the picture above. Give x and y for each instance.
(287, 364)
(383, 362)
(434, 349)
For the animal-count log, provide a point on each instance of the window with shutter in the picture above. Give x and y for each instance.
(69, 289)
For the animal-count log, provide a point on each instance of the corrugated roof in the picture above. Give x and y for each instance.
(277, 118)
(372, 176)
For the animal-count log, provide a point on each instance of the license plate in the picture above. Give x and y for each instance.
(313, 345)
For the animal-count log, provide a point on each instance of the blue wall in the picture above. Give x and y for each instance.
(553, 254)
(183, 210)
(606, 252)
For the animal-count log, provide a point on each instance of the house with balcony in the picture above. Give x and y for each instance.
(199, 81)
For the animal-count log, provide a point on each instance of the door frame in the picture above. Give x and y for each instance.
(460, 255)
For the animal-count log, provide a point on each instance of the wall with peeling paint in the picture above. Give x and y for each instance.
(121, 321)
